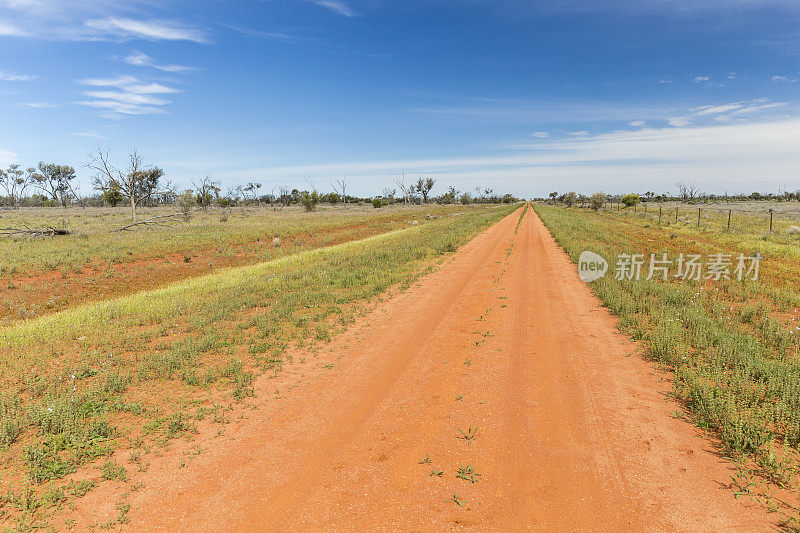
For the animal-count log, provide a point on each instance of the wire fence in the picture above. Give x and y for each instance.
(734, 219)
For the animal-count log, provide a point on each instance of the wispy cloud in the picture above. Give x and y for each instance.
(784, 79)
(716, 109)
(637, 123)
(7, 30)
(40, 105)
(540, 134)
(700, 79)
(4, 76)
(337, 6)
(679, 122)
(140, 59)
(268, 35)
(126, 29)
(126, 95)
(92, 134)
(724, 111)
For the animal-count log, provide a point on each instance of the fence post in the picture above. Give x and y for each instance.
(770, 220)
(659, 215)
(729, 220)
(676, 214)
(698, 217)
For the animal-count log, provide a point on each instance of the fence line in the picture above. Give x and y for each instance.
(707, 216)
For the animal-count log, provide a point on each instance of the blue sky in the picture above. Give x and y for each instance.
(522, 96)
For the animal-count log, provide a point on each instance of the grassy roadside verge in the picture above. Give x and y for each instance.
(44, 276)
(92, 240)
(733, 346)
(139, 371)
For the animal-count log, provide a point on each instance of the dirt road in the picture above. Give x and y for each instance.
(573, 428)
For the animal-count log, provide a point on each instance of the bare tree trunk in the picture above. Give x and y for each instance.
(133, 208)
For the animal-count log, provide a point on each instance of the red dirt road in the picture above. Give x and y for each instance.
(573, 428)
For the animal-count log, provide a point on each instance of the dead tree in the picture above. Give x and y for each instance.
(160, 220)
(32, 233)
(407, 190)
(688, 190)
(341, 185)
(138, 183)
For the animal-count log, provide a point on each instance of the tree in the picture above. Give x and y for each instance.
(630, 200)
(309, 200)
(341, 185)
(450, 196)
(54, 180)
(138, 183)
(407, 190)
(206, 191)
(250, 191)
(424, 187)
(111, 196)
(15, 180)
(553, 196)
(688, 191)
(570, 198)
(597, 200)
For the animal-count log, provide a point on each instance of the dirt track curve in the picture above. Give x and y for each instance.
(574, 428)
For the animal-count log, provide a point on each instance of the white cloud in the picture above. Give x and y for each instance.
(140, 59)
(337, 6)
(540, 134)
(125, 28)
(759, 107)
(783, 79)
(699, 79)
(637, 123)
(6, 158)
(7, 30)
(127, 97)
(716, 109)
(737, 108)
(40, 105)
(581, 133)
(16, 77)
(130, 97)
(679, 122)
(92, 134)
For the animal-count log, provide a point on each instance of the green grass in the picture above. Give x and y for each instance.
(733, 346)
(83, 382)
(92, 240)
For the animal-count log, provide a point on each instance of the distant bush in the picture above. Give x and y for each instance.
(310, 200)
(570, 198)
(630, 200)
(377, 202)
(186, 202)
(597, 200)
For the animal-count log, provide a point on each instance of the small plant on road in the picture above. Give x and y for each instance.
(470, 434)
(467, 473)
(458, 501)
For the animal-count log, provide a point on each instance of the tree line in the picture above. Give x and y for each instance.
(140, 184)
